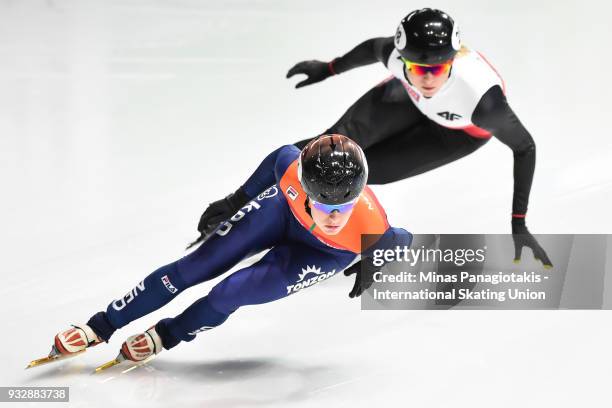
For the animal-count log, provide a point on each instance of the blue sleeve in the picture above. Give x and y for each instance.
(270, 170)
(393, 237)
(398, 237)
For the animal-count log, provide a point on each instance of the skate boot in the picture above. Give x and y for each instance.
(75, 340)
(138, 348)
(69, 343)
(141, 346)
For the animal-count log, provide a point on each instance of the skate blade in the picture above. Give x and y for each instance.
(120, 359)
(108, 365)
(52, 359)
(139, 364)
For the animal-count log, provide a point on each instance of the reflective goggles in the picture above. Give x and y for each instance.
(420, 69)
(330, 208)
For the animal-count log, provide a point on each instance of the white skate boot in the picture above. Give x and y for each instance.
(137, 348)
(74, 340)
(141, 346)
(69, 343)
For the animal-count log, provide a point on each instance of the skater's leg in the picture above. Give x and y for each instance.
(423, 148)
(382, 112)
(153, 292)
(258, 226)
(284, 270)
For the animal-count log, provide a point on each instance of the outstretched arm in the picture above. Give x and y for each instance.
(368, 52)
(495, 115)
(267, 173)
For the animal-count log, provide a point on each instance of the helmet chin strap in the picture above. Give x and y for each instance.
(307, 208)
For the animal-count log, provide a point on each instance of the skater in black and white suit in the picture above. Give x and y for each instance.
(442, 102)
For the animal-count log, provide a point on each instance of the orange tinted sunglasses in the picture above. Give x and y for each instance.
(436, 69)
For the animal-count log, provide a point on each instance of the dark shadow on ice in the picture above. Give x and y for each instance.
(229, 370)
(152, 382)
(235, 373)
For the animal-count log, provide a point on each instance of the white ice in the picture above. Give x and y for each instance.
(120, 121)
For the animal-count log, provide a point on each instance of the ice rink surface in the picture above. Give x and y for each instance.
(121, 120)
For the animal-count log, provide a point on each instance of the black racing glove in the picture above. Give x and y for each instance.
(364, 271)
(218, 212)
(316, 71)
(523, 238)
(222, 210)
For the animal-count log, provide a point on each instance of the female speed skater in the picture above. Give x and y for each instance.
(310, 207)
(442, 102)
